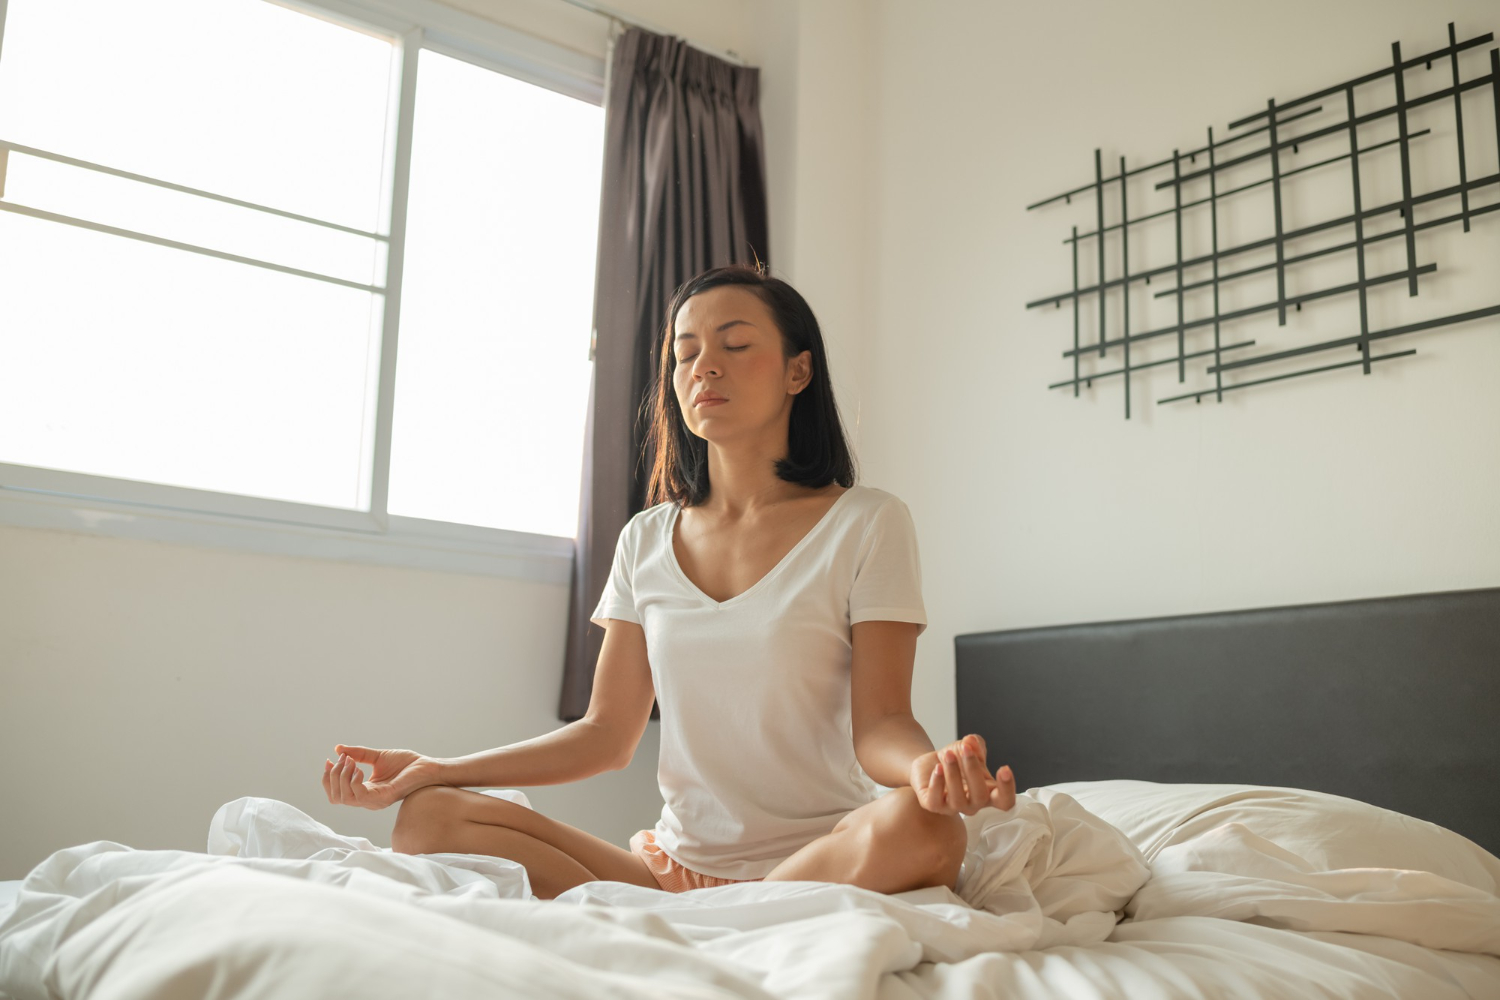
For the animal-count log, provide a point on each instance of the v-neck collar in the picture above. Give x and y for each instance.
(676, 514)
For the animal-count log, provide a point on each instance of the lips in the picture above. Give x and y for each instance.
(708, 398)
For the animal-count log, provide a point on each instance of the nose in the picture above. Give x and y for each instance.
(706, 363)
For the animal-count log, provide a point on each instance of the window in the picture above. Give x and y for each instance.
(209, 218)
(497, 300)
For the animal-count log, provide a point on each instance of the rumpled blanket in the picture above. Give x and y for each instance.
(281, 899)
(281, 906)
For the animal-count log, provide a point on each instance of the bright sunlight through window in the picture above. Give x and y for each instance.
(152, 360)
(496, 304)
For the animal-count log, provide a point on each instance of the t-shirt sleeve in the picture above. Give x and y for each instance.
(888, 571)
(618, 598)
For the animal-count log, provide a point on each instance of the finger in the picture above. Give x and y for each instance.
(354, 782)
(327, 779)
(1003, 795)
(976, 780)
(364, 755)
(953, 781)
(341, 781)
(935, 801)
(362, 789)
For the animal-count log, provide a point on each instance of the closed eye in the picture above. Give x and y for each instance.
(682, 360)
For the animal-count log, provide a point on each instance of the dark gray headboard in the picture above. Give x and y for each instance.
(1392, 700)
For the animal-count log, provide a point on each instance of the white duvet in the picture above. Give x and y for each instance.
(1187, 895)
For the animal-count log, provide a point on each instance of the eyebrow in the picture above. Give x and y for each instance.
(721, 329)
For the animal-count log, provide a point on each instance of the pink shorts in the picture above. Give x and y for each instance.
(670, 875)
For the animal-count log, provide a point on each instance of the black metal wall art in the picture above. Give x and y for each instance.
(1218, 191)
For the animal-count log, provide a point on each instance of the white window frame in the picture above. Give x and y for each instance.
(45, 498)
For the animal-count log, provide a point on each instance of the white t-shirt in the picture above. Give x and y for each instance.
(757, 752)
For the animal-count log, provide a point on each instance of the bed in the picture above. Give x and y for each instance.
(1282, 802)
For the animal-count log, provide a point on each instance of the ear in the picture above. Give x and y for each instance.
(800, 372)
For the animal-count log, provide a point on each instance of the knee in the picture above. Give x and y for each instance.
(933, 843)
(421, 819)
(903, 846)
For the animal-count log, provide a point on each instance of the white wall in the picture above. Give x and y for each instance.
(1037, 508)
(816, 61)
(146, 684)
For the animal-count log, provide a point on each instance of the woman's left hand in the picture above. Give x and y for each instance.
(955, 780)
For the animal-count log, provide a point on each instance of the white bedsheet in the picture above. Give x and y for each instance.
(281, 906)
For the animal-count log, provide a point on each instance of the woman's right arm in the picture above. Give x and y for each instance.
(603, 740)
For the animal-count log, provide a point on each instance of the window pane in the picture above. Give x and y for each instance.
(239, 97)
(121, 358)
(125, 359)
(145, 208)
(180, 369)
(497, 299)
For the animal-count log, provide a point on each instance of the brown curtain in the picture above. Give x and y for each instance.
(684, 191)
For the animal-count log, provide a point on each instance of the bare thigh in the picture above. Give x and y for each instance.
(429, 813)
(889, 845)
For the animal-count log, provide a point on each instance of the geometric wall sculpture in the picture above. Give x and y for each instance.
(1330, 201)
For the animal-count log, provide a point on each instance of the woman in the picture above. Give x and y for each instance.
(772, 608)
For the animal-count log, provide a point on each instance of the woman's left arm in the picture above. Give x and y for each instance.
(892, 746)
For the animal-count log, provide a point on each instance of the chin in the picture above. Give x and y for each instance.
(711, 431)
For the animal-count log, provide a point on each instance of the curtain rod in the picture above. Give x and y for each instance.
(728, 55)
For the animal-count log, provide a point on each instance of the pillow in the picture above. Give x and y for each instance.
(1329, 831)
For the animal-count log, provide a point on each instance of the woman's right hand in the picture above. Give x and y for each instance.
(394, 774)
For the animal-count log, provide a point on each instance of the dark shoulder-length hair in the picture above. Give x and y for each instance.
(817, 453)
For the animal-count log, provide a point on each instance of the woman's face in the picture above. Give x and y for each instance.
(731, 377)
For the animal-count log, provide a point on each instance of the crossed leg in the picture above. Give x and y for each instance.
(441, 819)
(890, 845)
